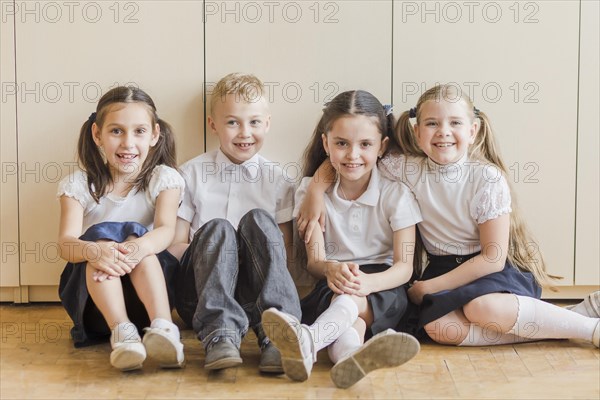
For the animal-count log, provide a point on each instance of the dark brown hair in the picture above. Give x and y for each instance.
(90, 159)
(351, 103)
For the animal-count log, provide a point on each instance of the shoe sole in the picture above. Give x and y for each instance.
(271, 369)
(386, 351)
(162, 349)
(126, 359)
(287, 341)
(222, 363)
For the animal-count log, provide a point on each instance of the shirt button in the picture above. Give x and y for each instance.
(355, 228)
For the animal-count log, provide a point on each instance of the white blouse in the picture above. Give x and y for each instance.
(454, 199)
(136, 206)
(361, 230)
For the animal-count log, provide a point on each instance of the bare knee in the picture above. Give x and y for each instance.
(447, 331)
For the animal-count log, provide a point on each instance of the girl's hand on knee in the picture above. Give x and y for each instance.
(110, 260)
(341, 279)
(100, 276)
(366, 288)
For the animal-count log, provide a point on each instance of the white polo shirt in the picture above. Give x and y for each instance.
(218, 188)
(361, 230)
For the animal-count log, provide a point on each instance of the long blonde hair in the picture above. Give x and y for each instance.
(523, 251)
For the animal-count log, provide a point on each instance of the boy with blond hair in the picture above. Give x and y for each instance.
(236, 216)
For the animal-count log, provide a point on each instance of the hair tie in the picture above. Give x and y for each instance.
(476, 111)
(412, 113)
(92, 117)
(388, 108)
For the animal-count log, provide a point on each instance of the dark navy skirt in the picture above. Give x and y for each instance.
(388, 306)
(436, 305)
(89, 324)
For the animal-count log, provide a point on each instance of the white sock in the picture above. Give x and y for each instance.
(341, 315)
(348, 342)
(537, 319)
(478, 336)
(168, 326)
(124, 332)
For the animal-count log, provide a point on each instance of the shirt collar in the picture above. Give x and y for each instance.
(249, 168)
(369, 198)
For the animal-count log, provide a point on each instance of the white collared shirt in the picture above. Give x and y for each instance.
(218, 188)
(454, 199)
(362, 230)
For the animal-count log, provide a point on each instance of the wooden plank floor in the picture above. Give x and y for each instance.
(38, 361)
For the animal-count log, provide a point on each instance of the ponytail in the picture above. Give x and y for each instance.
(91, 161)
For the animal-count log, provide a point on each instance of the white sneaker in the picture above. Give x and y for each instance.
(164, 345)
(128, 351)
(596, 335)
(384, 350)
(294, 342)
(590, 306)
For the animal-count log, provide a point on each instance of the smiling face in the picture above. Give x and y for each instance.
(241, 126)
(354, 143)
(445, 130)
(126, 136)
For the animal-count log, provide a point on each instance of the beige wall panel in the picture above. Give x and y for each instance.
(306, 53)
(9, 227)
(587, 269)
(88, 48)
(518, 60)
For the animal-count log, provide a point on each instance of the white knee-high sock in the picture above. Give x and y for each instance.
(334, 321)
(348, 342)
(486, 337)
(540, 320)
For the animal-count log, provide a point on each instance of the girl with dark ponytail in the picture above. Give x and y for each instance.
(118, 215)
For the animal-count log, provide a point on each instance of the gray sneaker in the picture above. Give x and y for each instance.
(222, 353)
(270, 360)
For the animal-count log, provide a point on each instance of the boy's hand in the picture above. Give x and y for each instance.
(342, 278)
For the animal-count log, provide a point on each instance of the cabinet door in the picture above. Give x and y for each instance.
(9, 228)
(518, 61)
(587, 271)
(306, 53)
(115, 43)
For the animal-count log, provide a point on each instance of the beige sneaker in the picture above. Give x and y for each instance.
(385, 350)
(163, 346)
(590, 306)
(128, 351)
(294, 342)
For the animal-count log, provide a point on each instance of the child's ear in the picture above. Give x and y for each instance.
(416, 130)
(474, 129)
(325, 144)
(384, 144)
(268, 123)
(96, 134)
(155, 135)
(211, 124)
